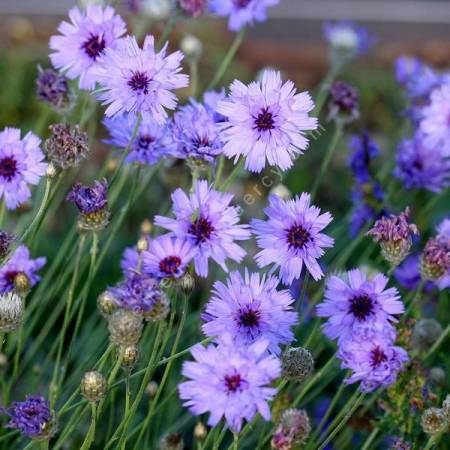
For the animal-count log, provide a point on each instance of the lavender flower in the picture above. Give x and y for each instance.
(373, 359)
(292, 237)
(6, 240)
(207, 221)
(408, 274)
(194, 8)
(131, 261)
(83, 42)
(266, 121)
(20, 165)
(211, 100)
(20, 263)
(422, 166)
(195, 134)
(249, 308)
(226, 380)
(167, 257)
(359, 303)
(135, 80)
(241, 12)
(32, 417)
(444, 233)
(365, 150)
(52, 88)
(394, 234)
(344, 102)
(151, 141)
(92, 203)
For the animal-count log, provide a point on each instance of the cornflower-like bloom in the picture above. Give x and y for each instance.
(444, 233)
(435, 259)
(195, 134)
(150, 144)
(32, 417)
(292, 430)
(11, 311)
(83, 42)
(292, 237)
(6, 240)
(194, 8)
(52, 88)
(67, 146)
(167, 257)
(208, 222)
(249, 308)
(229, 381)
(266, 120)
(343, 103)
(422, 166)
(20, 165)
(241, 12)
(20, 263)
(435, 125)
(135, 80)
(373, 359)
(92, 203)
(358, 303)
(394, 234)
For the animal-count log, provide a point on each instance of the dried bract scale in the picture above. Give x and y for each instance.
(297, 364)
(67, 146)
(11, 311)
(292, 430)
(125, 327)
(93, 386)
(106, 303)
(434, 420)
(435, 259)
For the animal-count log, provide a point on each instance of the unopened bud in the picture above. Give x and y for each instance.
(187, 283)
(297, 364)
(21, 283)
(160, 309)
(106, 303)
(125, 327)
(200, 431)
(152, 388)
(51, 170)
(146, 227)
(437, 376)
(93, 386)
(142, 244)
(130, 356)
(280, 190)
(192, 47)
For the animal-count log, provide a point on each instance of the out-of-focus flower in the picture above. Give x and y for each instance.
(135, 80)
(292, 237)
(167, 257)
(394, 233)
(400, 444)
(92, 203)
(408, 274)
(343, 103)
(20, 263)
(241, 12)
(280, 190)
(297, 364)
(248, 308)
(425, 333)
(435, 259)
(192, 47)
(292, 430)
(32, 417)
(150, 144)
(11, 311)
(230, 381)
(438, 376)
(365, 150)
(358, 303)
(20, 165)
(6, 240)
(157, 10)
(93, 386)
(444, 233)
(211, 100)
(194, 8)
(422, 166)
(83, 42)
(207, 221)
(434, 420)
(125, 327)
(266, 121)
(67, 146)
(52, 88)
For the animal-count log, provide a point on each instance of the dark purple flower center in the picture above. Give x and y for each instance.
(298, 236)
(8, 167)
(145, 141)
(139, 82)
(94, 46)
(241, 3)
(249, 317)
(11, 275)
(377, 356)
(201, 228)
(361, 306)
(201, 141)
(264, 121)
(170, 264)
(233, 383)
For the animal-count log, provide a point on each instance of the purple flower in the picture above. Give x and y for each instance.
(408, 274)
(20, 165)
(20, 263)
(52, 88)
(229, 381)
(83, 42)
(344, 102)
(444, 233)
(130, 262)
(140, 80)
(422, 166)
(208, 222)
(90, 199)
(167, 257)
(211, 100)
(241, 12)
(435, 259)
(6, 240)
(435, 123)
(358, 303)
(151, 141)
(195, 133)
(194, 8)
(32, 417)
(292, 237)
(373, 359)
(348, 37)
(266, 120)
(364, 151)
(249, 308)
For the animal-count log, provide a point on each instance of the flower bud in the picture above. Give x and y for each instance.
(344, 103)
(160, 309)
(435, 259)
(191, 47)
(437, 376)
(297, 364)
(433, 420)
(21, 283)
(292, 430)
(130, 356)
(106, 303)
(51, 170)
(142, 244)
(187, 283)
(125, 327)
(152, 388)
(425, 333)
(53, 88)
(280, 190)
(93, 386)
(146, 227)
(11, 311)
(200, 431)
(171, 441)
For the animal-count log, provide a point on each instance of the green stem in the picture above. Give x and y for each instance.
(233, 175)
(90, 437)
(433, 440)
(368, 442)
(444, 335)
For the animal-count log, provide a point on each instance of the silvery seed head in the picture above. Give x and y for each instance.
(130, 356)
(11, 311)
(93, 386)
(434, 420)
(297, 364)
(125, 327)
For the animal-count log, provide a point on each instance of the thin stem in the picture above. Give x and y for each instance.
(233, 175)
(444, 335)
(433, 440)
(370, 439)
(90, 437)
(2, 211)
(219, 171)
